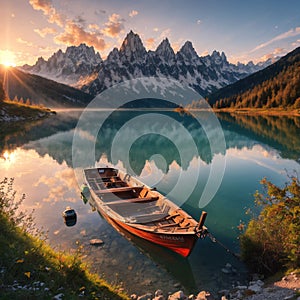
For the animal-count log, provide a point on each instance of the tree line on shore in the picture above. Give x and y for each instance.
(281, 91)
(277, 86)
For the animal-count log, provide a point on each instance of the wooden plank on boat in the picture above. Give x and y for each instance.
(118, 190)
(127, 210)
(144, 219)
(132, 200)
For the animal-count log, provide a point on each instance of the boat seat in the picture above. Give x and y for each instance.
(132, 200)
(118, 190)
(111, 177)
(143, 219)
(133, 209)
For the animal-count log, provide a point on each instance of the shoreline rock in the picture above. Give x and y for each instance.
(286, 288)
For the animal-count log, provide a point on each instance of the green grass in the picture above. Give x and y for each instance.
(29, 261)
(31, 269)
(28, 112)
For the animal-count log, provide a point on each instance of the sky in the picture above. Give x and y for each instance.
(245, 30)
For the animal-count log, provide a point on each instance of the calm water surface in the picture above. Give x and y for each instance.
(40, 160)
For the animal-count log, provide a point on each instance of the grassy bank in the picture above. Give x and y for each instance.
(261, 111)
(31, 269)
(12, 111)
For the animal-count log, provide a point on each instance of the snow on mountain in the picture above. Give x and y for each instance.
(82, 67)
(71, 67)
(165, 52)
(204, 74)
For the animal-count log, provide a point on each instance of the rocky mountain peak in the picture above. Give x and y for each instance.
(218, 58)
(132, 46)
(83, 52)
(113, 56)
(68, 67)
(188, 51)
(165, 51)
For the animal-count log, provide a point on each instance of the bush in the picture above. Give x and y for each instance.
(9, 207)
(271, 241)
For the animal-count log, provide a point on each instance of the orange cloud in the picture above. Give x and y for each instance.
(150, 43)
(21, 41)
(114, 26)
(45, 31)
(74, 34)
(165, 33)
(93, 26)
(48, 10)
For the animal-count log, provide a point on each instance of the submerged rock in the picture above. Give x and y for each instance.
(96, 242)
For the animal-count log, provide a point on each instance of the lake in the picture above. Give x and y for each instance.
(198, 166)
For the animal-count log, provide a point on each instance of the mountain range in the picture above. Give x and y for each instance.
(83, 68)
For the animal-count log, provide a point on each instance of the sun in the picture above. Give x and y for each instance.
(7, 58)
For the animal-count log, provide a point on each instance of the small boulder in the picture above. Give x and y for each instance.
(255, 288)
(159, 295)
(178, 296)
(58, 296)
(147, 296)
(203, 295)
(96, 242)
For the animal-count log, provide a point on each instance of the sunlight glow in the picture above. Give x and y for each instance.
(7, 58)
(9, 157)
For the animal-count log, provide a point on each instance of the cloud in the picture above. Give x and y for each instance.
(43, 5)
(100, 12)
(278, 51)
(273, 54)
(114, 26)
(80, 20)
(21, 41)
(94, 27)
(75, 34)
(204, 53)
(291, 33)
(48, 10)
(165, 33)
(133, 13)
(150, 42)
(60, 185)
(296, 44)
(45, 31)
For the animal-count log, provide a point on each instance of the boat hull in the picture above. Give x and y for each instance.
(182, 244)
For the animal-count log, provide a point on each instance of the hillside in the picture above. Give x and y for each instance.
(41, 91)
(277, 86)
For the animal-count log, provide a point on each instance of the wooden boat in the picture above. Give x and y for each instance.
(144, 212)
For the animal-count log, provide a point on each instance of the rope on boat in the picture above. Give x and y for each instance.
(214, 240)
